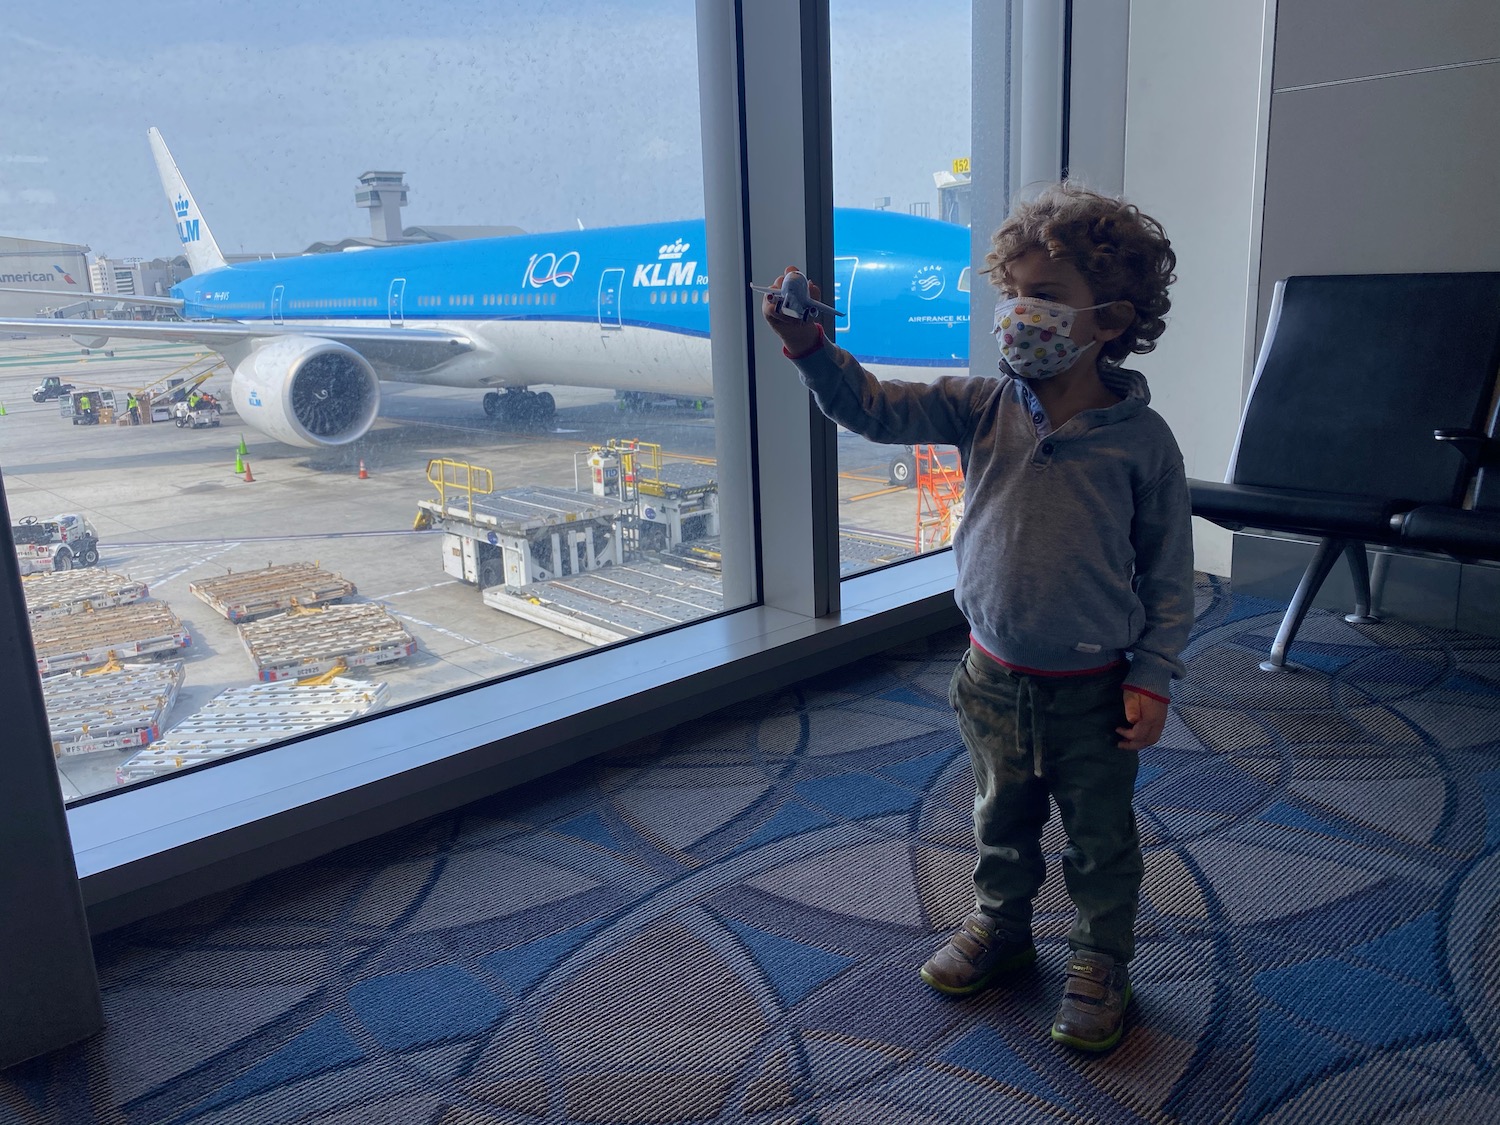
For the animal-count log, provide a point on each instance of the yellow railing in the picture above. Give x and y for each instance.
(462, 479)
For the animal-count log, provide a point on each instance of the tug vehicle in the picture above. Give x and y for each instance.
(49, 388)
(59, 543)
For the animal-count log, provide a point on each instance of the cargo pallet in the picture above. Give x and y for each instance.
(310, 642)
(87, 640)
(115, 708)
(241, 719)
(247, 594)
(64, 592)
(617, 602)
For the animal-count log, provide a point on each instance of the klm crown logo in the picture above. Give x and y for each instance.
(187, 229)
(672, 251)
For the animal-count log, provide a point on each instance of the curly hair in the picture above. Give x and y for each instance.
(1123, 254)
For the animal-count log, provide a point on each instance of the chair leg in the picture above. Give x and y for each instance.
(1359, 570)
(1313, 577)
(1377, 581)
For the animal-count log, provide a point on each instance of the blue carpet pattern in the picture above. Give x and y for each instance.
(723, 924)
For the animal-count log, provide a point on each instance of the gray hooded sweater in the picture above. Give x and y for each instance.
(1075, 548)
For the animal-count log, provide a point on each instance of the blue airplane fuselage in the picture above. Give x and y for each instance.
(902, 282)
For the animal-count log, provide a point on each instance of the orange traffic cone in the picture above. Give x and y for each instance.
(248, 475)
(362, 474)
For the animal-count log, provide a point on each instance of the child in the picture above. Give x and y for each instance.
(1074, 571)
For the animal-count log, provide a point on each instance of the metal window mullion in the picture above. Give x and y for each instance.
(787, 203)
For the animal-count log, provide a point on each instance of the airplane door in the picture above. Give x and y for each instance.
(396, 300)
(611, 287)
(843, 289)
(276, 295)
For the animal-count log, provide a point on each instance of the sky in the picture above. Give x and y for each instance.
(537, 115)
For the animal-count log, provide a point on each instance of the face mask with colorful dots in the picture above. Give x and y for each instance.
(1033, 336)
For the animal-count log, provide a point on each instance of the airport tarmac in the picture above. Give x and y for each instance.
(170, 509)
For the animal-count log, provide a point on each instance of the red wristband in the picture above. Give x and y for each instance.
(804, 355)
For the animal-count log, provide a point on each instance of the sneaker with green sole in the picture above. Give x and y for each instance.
(980, 951)
(1092, 1014)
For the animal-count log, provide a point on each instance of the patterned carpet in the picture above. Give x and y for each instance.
(723, 924)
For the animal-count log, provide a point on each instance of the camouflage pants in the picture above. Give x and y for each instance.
(1031, 738)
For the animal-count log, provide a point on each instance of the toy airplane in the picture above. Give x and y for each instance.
(793, 300)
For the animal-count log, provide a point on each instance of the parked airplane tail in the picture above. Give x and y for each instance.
(197, 240)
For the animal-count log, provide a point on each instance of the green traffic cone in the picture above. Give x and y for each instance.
(239, 464)
(2, 410)
(243, 450)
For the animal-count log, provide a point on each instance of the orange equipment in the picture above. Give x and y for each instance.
(940, 496)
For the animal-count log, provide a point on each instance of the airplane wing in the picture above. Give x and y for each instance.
(102, 298)
(391, 350)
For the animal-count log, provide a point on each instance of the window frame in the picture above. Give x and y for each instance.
(768, 189)
(768, 194)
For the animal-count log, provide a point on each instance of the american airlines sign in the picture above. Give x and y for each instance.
(33, 276)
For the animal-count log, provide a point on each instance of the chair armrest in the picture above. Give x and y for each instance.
(1478, 449)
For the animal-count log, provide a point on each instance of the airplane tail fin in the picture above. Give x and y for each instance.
(197, 240)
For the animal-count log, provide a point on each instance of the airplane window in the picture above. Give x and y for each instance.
(910, 318)
(269, 451)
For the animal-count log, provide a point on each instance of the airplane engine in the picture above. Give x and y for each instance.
(306, 391)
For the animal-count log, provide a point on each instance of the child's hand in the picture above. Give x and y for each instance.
(799, 336)
(1146, 716)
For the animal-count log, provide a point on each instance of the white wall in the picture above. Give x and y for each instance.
(1196, 105)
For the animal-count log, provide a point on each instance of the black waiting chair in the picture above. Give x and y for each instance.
(1355, 374)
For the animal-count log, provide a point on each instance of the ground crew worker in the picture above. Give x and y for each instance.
(85, 408)
(134, 407)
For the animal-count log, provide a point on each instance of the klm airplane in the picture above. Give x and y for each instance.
(309, 339)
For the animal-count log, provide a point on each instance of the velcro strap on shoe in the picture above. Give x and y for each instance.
(1083, 988)
(978, 929)
(970, 944)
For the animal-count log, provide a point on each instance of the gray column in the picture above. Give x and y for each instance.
(49, 992)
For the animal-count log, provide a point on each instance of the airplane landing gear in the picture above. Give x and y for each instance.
(524, 409)
(903, 468)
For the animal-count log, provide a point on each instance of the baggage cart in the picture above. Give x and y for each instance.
(87, 640)
(60, 593)
(310, 642)
(243, 718)
(247, 594)
(117, 707)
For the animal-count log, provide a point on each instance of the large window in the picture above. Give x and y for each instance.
(314, 147)
(390, 377)
(901, 168)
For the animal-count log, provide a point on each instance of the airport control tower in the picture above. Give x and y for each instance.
(384, 193)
